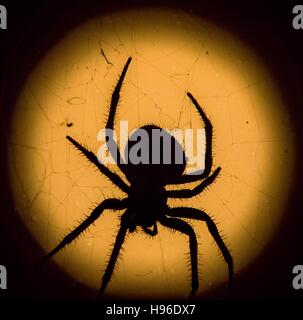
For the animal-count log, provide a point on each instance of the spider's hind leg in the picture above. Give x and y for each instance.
(192, 213)
(114, 255)
(185, 228)
(114, 204)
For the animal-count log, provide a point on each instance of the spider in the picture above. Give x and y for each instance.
(146, 201)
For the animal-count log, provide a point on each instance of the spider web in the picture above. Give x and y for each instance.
(69, 92)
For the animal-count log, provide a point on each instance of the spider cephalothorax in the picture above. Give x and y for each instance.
(146, 201)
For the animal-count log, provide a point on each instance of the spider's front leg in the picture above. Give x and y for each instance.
(113, 177)
(188, 193)
(191, 213)
(208, 150)
(111, 144)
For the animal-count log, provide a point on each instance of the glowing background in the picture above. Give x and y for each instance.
(55, 187)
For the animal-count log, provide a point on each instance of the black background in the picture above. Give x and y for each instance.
(34, 26)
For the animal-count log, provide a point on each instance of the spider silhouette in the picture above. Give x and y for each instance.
(146, 201)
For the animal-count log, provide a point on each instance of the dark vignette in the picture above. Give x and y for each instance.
(34, 27)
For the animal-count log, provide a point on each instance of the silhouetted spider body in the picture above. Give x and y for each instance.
(146, 201)
(147, 195)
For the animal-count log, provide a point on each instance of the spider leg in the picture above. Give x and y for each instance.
(152, 232)
(188, 193)
(111, 144)
(196, 214)
(103, 169)
(114, 255)
(95, 214)
(185, 228)
(208, 151)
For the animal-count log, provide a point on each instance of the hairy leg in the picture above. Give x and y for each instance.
(114, 255)
(111, 144)
(185, 228)
(106, 204)
(208, 151)
(196, 214)
(151, 232)
(188, 193)
(103, 169)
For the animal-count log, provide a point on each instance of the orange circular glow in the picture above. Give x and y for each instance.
(68, 92)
